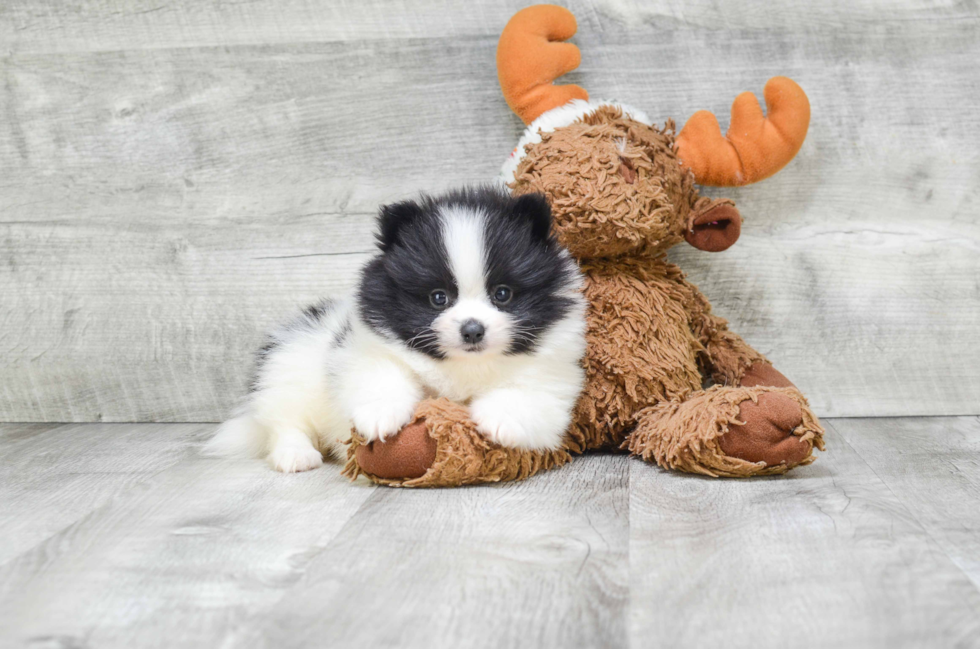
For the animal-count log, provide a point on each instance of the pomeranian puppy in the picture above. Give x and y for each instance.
(470, 297)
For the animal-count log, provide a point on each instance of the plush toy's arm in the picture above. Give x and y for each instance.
(441, 447)
(727, 358)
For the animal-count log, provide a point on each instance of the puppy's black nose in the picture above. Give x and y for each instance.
(472, 331)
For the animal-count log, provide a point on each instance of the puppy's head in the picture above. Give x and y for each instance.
(470, 273)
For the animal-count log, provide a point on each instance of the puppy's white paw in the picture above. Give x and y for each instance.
(290, 457)
(499, 427)
(520, 420)
(380, 420)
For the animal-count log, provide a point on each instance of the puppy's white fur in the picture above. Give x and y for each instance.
(331, 373)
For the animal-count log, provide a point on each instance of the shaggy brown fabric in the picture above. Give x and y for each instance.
(726, 357)
(620, 199)
(640, 346)
(463, 456)
(685, 435)
(598, 211)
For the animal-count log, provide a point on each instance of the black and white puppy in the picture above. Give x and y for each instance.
(470, 298)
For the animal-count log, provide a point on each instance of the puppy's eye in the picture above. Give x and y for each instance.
(439, 298)
(502, 294)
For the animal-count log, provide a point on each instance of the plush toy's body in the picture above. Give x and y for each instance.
(622, 193)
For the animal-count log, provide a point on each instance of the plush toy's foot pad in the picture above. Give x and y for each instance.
(442, 448)
(407, 455)
(730, 431)
(767, 434)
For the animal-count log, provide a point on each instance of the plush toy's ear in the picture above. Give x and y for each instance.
(392, 220)
(714, 228)
(534, 209)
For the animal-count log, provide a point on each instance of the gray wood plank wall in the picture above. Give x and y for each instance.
(176, 176)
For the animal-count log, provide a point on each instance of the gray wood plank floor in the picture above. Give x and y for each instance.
(122, 535)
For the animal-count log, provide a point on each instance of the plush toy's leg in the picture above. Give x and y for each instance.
(762, 373)
(442, 448)
(729, 431)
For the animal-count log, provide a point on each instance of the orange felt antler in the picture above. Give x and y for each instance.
(756, 146)
(530, 56)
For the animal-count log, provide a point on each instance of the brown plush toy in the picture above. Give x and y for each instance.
(622, 193)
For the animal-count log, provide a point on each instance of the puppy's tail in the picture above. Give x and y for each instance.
(240, 436)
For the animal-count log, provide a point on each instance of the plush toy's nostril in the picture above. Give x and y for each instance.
(712, 225)
(472, 332)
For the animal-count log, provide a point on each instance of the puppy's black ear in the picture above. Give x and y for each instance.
(534, 209)
(393, 219)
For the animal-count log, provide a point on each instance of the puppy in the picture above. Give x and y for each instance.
(469, 298)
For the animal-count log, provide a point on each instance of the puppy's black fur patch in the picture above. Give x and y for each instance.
(520, 252)
(523, 255)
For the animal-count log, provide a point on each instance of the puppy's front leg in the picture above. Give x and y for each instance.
(381, 397)
(292, 451)
(523, 418)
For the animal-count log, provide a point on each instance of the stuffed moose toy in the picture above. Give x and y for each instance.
(622, 192)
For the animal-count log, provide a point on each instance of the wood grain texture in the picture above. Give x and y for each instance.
(55, 477)
(872, 546)
(933, 467)
(178, 560)
(215, 553)
(10, 434)
(127, 340)
(152, 153)
(827, 556)
(540, 564)
(104, 25)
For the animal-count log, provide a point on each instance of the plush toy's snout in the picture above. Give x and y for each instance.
(714, 229)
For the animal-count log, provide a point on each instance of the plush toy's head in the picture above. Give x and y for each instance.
(617, 184)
